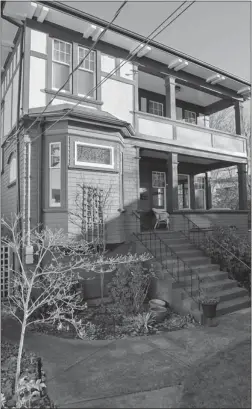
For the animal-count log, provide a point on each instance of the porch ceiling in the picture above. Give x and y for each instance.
(194, 164)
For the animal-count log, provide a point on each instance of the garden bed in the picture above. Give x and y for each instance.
(9, 353)
(101, 324)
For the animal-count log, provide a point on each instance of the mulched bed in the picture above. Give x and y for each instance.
(9, 354)
(102, 326)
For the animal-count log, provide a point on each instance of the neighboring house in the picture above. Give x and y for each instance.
(143, 133)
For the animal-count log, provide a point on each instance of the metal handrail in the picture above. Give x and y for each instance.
(173, 253)
(215, 241)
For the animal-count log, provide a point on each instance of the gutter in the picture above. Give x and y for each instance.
(63, 8)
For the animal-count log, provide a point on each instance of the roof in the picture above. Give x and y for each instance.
(80, 21)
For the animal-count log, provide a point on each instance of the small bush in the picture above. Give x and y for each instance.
(129, 286)
(235, 244)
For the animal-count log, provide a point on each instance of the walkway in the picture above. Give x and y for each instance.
(137, 372)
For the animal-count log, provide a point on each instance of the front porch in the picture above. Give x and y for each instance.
(181, 184)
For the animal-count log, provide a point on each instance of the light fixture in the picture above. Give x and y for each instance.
(181, 66)
(43, 13)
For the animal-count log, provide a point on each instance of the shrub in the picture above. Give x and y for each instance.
(233, 247)
(129, 286)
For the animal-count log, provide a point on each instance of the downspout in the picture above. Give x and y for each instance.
(40, 178)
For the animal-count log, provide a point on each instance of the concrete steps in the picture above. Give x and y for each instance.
(213, 281)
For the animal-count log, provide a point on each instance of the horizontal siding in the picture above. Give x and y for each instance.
(8, 194)
(131, 188)
(54, 220)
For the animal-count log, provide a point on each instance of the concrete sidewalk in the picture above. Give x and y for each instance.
(133, 372)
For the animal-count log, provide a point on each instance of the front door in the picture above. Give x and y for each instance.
(158, 190)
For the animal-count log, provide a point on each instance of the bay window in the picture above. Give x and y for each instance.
(61, 65)
(55, 174)
(86, 72)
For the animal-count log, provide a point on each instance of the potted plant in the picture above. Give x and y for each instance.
(209, 305)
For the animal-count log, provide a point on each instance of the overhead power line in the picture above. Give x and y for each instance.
(128, 59)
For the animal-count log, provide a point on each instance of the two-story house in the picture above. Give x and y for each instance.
(134, 123)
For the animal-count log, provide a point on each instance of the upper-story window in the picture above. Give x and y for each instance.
(86, 72)
(156, 108)
(61, 65)
(190, 117)
(121, 68)
(55, 174)
(12, 162)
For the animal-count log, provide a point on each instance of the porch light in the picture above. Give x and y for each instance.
(244, 90)
(43, 13)
(32, 10)
(181, 66)
(174, 63)
(89, 32)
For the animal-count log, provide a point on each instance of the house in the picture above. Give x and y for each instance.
(140, 132)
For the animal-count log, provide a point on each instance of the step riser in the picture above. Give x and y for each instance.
(217, 287)
(228, 310)
(190, 261)
(232, 296)
(202, 269)
(215, 277)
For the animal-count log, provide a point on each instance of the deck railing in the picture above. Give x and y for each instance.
(171, 262)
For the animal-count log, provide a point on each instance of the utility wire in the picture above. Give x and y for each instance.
(131, 57)
(80, 63)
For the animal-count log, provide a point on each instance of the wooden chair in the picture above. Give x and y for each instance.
(161, 217)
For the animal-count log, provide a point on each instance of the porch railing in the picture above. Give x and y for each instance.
(171, 262)
(197, 235)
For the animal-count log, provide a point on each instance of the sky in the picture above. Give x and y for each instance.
(216, 32)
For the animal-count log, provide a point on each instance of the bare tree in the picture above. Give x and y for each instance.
(49, 291)
(224, 181)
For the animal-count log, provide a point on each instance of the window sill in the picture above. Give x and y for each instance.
(54, 210)
(12, 184)
(72, 97)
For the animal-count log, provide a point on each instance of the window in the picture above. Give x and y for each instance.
(158, 190)
(97, 156)
(86, 72)
(12, 162)
(190, 117)
(55, 174)
(200, 192)
(183, 192)
(143, 104)
(121, 68)
(61, 66)
(156, 108)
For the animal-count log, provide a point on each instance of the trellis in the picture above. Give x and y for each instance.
(93, 215)
(5, 272)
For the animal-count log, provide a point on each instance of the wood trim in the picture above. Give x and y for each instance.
(26, 70)
(98, 75)
(38, 55)
(72, 97)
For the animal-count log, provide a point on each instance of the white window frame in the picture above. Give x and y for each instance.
(50, 168)
(201, 181)
(160, 187)
(158, 104)
(190, 116)
(63, 63)
(86, 69)
(12, 168)
(189, 196)
(95, 165)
